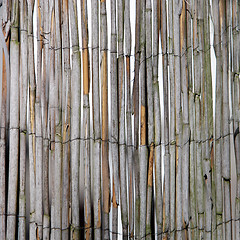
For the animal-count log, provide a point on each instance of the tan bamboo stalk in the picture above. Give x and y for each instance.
(23, 119)
(75, 123)
(121, 114)
(236, 116)
(14, 124)
(192, 146)
(96, 122)
(177, 9)
(157, 120)
(225, 121)
(32, 130)
(136, 118)
(218, 121)
(114, 121)
(129, 140)
(166, 194)
(45, 117)
(207, 122)
(185, 119)
(104, 103)
(3, 123)
(172, 127)
(150, 119)
(66, 127)
(143, 131)
(57, 221)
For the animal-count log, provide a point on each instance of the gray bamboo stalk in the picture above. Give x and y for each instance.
(157, 120)
(143, 131)
(218, 121)
(129, 140)
(96, 122)
(104, 102)
(177, 9)
(172, 127)
(32, 135)
(192, 147)
(207, 120)
(86, 121)
(66, 127)
(225, 121)
(3, 136)
(5, 84)
(198, 34)
(57, 221)
(38, 120)
(14, 124)
(150, 119)
(136, 118)
(23, 119)
(114, 121)
(236, 116)
(121, 112)
(166, 194)
(185, 119)
(45, 117)
(52, 108)
(75, 121)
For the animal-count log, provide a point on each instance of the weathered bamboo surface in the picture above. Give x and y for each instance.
(119, 119)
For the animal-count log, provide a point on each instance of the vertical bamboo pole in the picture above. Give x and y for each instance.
(45, 117)
(66, 127)
(192, 147)
(86, 120)
(3, 120)
(121, 120)
(57, 221)
(23, 119)
(185, 119)
(32, 128)
(105, 153)
(172, 127)
(143, 131)
(96, 121)
(207, 126)
(150, 119)
(136, 118)
(225, 121)
(166, 186)
(177, 9)
(14, 124)
(157, 120)
(38, 120)
(129, 140)
(114, 121)
(218, 121)
(75, 122)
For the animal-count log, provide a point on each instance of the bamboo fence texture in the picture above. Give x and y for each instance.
(120, 119)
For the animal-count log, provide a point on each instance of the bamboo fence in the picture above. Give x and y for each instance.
(119, 119)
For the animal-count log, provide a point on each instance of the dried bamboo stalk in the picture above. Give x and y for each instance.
(96, 122)
(114, 122)
(14, 124)
(32, 130)
(66, 127)
(157, 120)
(150, 118)
(177, 9)
(104, 99)
(23, 119)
